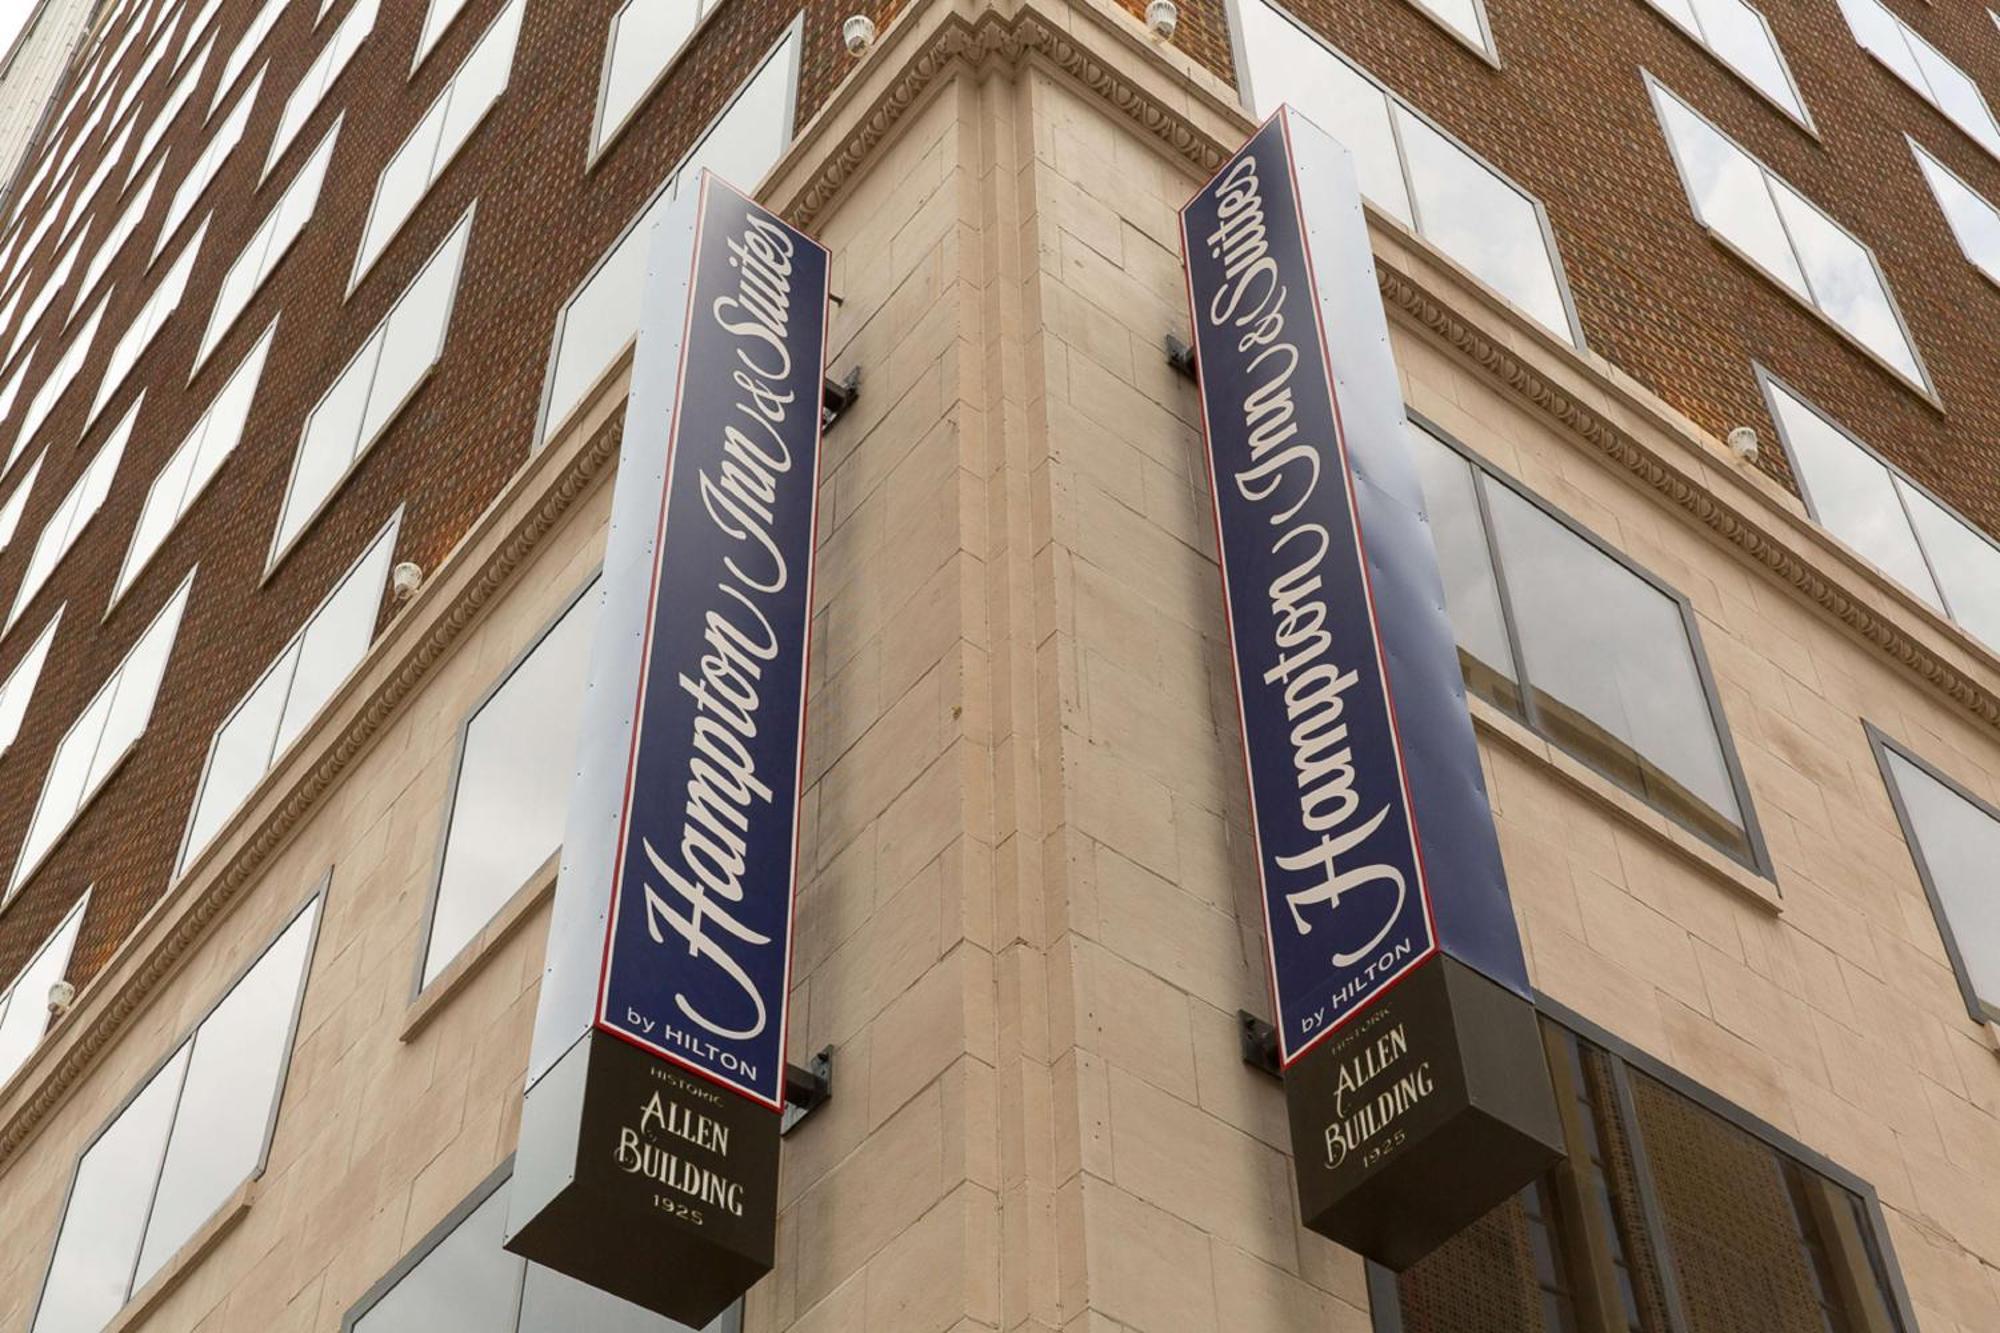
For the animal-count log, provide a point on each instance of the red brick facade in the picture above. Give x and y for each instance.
(1564, 112)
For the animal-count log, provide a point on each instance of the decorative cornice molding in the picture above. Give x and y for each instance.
(578, 476)
(1645, 465)
(997, 39)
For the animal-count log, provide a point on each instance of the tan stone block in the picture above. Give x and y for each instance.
(888, 1182)
(920, 1033)
(1264, 1297)
(1132, 1019)
(919, 1282)
(1186, 1161)
(1149, 1270)
(1621, 927)
(1756, 1010)
(1728, 1065)
(1174, 935)
(1125, 811)
(1229, 1089)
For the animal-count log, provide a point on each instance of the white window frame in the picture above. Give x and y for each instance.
(161, 305)
(1923, 384)
(1927, 161)
(215, 154)
(99, 475)
(167, 621)
(347, 38)
(112, 243)
(604, 134)
(61, 376)
(245, 51)
(1940, 600)
(506, 25)
(381, 549)
(1989, 139)
(64, 936)
(284, 223)
(169, 111)
(136, 561)
(17, 503)
(18, 690)
(282, 546)
(431, 966)
(792, 40)
(186, 1042)
(439, 15)
(1246, 92)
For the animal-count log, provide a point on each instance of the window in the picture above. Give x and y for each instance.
(1589, 651)
(1887, 518)
(1923, 67)
(366, 396)
(264, 250)
(61, 376)
(73, 515)
(209, 165)
(110, 724)
(19, 687)
(1974, 222)
(194, 464)
(646, 35)
(600, 321)
(12, 392)
(437, 18)
(197, 1129)
(24, 1008)
(163, 119)
(1673, 1213)
(1408, 168)
(137, 83)
(112, 243)
(51, 287)
(245, 48)
(509, 798)
(109, 158)
(146, 325)
(435, 141)
(458, 1278)
(1465, 19)
(320, 77)
(290, 693)
(17, 503)
(1954, 838)
(1748, 207)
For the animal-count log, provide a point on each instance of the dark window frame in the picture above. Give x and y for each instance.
(450, 807)
(1624, 1057)
(1759, 860)
(181, 1040)
(426, 1244)
(1882, 744)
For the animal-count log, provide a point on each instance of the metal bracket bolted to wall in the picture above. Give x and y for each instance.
(1181, 357)
(1259, 1043)
(836, 396)
(807, 1089)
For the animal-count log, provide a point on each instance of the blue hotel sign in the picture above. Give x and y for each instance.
(649, 1138)
(698, 947)
(1391, 941)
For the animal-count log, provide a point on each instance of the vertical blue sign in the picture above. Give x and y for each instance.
(697, 953)
(1375, 842)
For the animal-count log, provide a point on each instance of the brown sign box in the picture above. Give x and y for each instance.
(1421, 1115)
(646, 1181)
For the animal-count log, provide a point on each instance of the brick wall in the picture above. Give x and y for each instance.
(1567, 116)
(542, 221)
